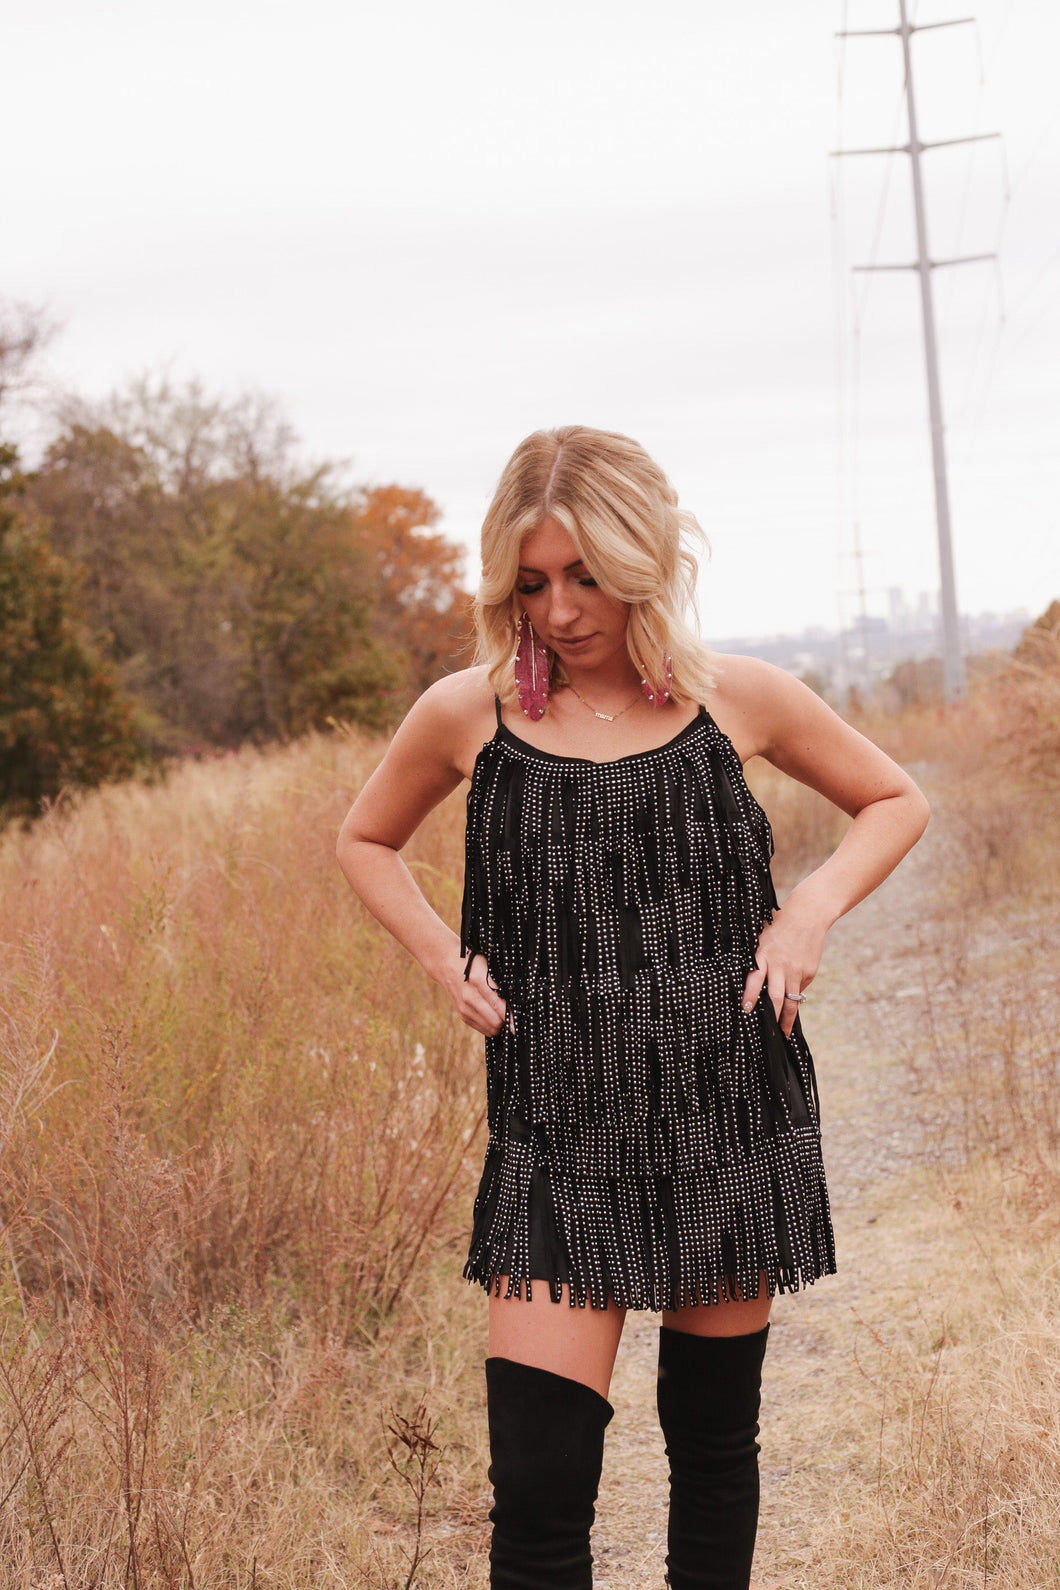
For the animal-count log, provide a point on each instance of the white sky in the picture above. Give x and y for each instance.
(429, 229)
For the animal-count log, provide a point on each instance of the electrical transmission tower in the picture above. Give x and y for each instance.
(952, 651)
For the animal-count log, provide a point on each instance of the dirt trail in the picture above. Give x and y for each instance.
(813, 1419)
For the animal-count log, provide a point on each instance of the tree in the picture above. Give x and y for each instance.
(1028, 695)
(62, 721)
(238, 594)
(224, 582)
(299, 597)
(916, 682)
(1039, 641)
(421, 609)
(25, 332)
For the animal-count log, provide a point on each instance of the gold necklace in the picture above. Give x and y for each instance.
(608, 717)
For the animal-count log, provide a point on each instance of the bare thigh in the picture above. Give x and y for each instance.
(579, 1343)
(739, 1317)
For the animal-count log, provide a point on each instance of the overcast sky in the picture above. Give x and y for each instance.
(428, 229)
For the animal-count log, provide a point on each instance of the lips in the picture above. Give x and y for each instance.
(571, 642)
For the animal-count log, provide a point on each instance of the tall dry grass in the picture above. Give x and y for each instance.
(200, 1021)
(958, 1484)
(236, 1123)
(958, 1481)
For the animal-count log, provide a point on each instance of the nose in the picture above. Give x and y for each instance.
(562, 607)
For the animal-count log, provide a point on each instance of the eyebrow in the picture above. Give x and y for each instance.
(526, 568)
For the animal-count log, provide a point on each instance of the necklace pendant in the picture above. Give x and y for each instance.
(608, 717)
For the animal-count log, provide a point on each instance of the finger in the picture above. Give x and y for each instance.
(488, 1024)
(487, 1012)
(753, 987)
(790, 1008)
(488, 1019)
(776, 986)
(490, 1008)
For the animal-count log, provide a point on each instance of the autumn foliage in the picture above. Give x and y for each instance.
(177, 579)
(240, 595)
(421, 611)
(62, 720)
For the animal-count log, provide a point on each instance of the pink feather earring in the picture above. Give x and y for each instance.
(658, 694)
(531, 671)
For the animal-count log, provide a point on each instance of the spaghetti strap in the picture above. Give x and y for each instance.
(497, 706)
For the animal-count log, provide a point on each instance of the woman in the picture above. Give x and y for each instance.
(653, 1125)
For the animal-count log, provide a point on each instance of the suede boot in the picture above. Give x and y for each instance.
(546, 1450)
(709, 1394)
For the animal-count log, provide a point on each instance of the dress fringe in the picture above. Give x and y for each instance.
(649, 1141)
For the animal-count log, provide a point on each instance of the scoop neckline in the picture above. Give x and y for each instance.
(508, 736)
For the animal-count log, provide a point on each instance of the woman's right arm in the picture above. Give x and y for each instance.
(421, 767)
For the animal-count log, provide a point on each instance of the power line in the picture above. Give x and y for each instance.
(860, 306)
(848, 374)
(946, 308)
(837, 216)
(1036, 150)
(925, 266)
(1003, 347)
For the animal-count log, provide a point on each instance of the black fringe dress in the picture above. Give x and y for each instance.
(648, 1141)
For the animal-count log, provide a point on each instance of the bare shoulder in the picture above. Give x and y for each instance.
(767, 712)
(432, 750)
(455, 716)
(751, 698)
(462, 689)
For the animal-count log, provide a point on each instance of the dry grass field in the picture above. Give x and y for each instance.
(234, 1120)
(239, 1135)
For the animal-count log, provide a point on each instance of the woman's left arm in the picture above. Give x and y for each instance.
(795, 730)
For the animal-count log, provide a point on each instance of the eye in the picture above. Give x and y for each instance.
(530, 588)
(586, 579)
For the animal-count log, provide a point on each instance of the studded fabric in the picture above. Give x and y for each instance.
(648, 1141)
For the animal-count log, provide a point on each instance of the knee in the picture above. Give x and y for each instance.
(709, 1394)
(546, 1439)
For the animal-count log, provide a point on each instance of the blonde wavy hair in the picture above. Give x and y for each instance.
(621, 512)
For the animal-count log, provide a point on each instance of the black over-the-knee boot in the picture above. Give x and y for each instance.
(546, 1450)
(709, 1394)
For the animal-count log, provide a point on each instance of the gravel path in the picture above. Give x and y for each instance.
(811, 1429)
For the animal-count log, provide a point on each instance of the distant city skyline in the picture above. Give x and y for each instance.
(428, 232)
(919, 618)
(866, 655)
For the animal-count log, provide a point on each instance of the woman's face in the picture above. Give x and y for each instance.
(564, 603)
